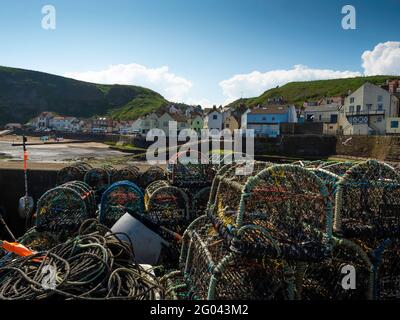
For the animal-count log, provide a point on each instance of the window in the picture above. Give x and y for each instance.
(379, 119)
(320, 117)
(358, 109)
(227, 125)
(369, 107)
(351, 109)
(380, 107)
(380, 98)
(165, 123)
(215, 117)
(351, 100)
(394, 124)
(264, 118)
(334, 118)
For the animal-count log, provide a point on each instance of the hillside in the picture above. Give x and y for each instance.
(24, 94)
(298, 92)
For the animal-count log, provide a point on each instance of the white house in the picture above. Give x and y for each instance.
(60, 123)
(367, 110)
(213, 119)
(43, 120)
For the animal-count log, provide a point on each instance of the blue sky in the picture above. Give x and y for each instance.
(208, 51)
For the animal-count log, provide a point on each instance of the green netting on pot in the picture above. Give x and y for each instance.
(128, 173)
(65, 207)
(367, 205)
(327, 279)
(152, 174)
(211, 271)
(74, 172)
(120, 198)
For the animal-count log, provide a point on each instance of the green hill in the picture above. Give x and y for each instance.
(24, 94)
(298, 92)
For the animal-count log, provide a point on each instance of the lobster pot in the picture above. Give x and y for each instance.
(324, 280)
(120, 198)
(287, 202)
(74, 172)
(167, 206)
(368, 203)
(199, 202)
(338, 168)
(129, 173)
(65, 207)
(189, 172)
(152, 174)
(98, 179)
(209, 270)
(387, 266)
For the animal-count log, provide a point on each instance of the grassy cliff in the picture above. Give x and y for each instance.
(24, 94)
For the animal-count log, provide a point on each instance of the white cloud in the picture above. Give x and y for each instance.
(172, 87)
(255, 83)
(384, 59)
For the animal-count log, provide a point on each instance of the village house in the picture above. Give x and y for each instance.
(231, 123)
(13, 126)
(195, 122)
(65, 124)
(368, 110)
(43, 120)
(265, 121)
(326, 112)
(213, 118)
(102, 125)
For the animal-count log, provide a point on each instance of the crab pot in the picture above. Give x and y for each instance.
(152, 174)
(193, 172)
(387, 267)
(199, 202)
(129, 173)
(65, 207)
(98, 179)
(209, 270)
(120, 198)
(167, 206)
(74, 172)
(368, 203)
(324, 280)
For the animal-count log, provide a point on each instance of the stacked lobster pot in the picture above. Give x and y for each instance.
(367, 216)
(152, 174)
(194, 174)
(60, 212)
(366, 229)
(74, 172)
(120, 198)
(129, 173)
(260, 235)
(167, 206)
(99, 179)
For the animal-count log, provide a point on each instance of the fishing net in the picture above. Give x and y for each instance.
(152, 174)
(120, 198)
(65, 207)
(98, 178)
(128, 173)
(74, 172)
